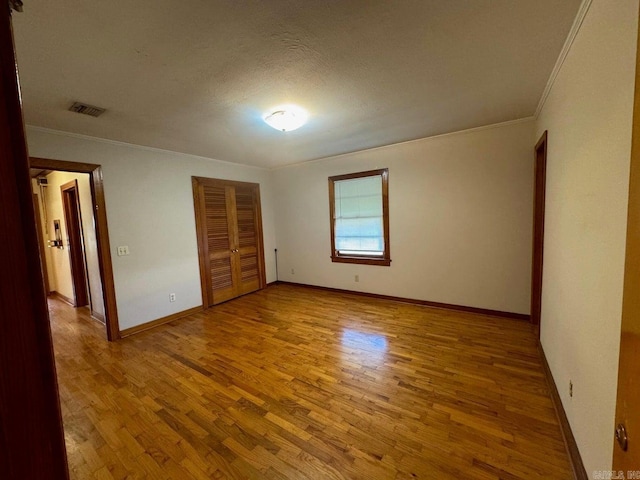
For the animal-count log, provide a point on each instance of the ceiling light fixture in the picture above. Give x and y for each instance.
(287, 118)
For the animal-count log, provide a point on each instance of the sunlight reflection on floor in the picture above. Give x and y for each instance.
(372, 348)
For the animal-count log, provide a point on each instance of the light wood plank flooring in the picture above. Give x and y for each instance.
(301, 383)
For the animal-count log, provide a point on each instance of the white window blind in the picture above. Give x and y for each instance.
(358, 216)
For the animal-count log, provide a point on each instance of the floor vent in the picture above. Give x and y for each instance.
(86, 109)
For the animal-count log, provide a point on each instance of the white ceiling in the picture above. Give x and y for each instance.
(196, 76)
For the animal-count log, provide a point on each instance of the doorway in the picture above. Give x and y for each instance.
(76, 244)
(540, 169)
(67, 237)
(230, 244)
(91, 278)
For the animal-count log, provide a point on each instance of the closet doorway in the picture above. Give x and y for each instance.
(230, 245)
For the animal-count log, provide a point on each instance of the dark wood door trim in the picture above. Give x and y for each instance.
(203, 246)
(75, 242)
(41, 242)
(540, 169)
(102, 233)
(31, 434)
(201, 233)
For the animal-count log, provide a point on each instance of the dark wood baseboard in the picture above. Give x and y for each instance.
(97, 316)
(426, 303)
(160, 321)
(579, 472)
(62, 297)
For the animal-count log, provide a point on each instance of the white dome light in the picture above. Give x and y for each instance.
(287, 118)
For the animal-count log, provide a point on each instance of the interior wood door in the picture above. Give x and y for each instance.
(218, 210)
(626, 448)
(229, 229)
(41, 243)
(75, 246)
(247, 240)
(31, 438)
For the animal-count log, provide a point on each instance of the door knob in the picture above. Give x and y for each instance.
(621, 437)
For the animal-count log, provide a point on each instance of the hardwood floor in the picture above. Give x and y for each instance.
(292, 382)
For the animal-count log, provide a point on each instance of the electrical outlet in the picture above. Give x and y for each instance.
(123, 250)
(172, 297)
(357, 278)
(293, 272)
(570, 388)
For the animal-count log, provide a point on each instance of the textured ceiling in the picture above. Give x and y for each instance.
(196, 76)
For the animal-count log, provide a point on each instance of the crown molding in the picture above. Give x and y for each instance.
(433, 137)
(573, 33)
(159, 150)
(118, 143)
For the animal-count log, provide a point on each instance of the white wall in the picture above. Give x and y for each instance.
(460, 219)
(61, 270)
(150, 208)
(588, 115)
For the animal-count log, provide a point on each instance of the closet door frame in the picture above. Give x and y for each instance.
(198, 184)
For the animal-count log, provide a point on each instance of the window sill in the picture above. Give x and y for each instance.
(384, 262)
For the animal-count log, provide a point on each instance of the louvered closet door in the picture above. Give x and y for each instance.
(220, 243)
(247, 240)
(229, 238)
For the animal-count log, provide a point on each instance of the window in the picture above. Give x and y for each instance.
(359, 206)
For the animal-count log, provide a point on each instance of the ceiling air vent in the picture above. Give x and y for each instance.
(86, 109)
